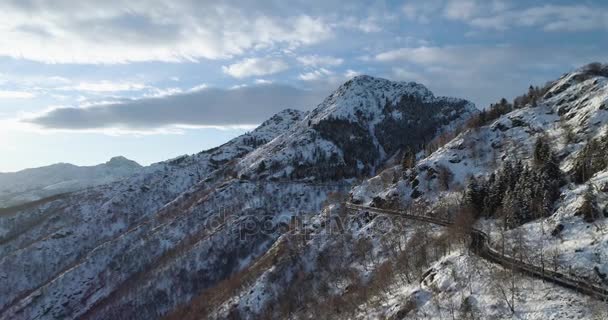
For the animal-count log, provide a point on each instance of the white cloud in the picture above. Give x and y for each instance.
(368, 25)
(111, 31)
(461, 9)
(315, 75)
(9, 94)
(351, 73)
(422, 11)
(403, 74)
(562, 18)
(255, 67)
(199, 87)
(448, 55)
(158, 92)
(499, 14)
(105, 86)
(319, 61)
(262, 81)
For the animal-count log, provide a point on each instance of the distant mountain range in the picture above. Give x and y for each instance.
(37, 183)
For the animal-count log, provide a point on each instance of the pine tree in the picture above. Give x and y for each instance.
(589, 209)
(525, 193)
(525, 196)
(474, 196)
(542, 151)
(262, 167)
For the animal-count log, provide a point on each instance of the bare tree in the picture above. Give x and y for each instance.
(554, 256)
(363, 249)
(445, 177)
(505, 286)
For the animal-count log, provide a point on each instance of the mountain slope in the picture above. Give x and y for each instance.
(56, 236)
(34, 184)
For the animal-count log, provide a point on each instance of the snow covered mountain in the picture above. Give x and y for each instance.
(34, 184)
(256, 228)
(142, 246)
(499, 169)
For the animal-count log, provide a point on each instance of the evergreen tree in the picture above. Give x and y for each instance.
(524, 193)
(262, 167)
(589, 209)
(541, 151)
(475, 195)
(591, 159)
(496, 191)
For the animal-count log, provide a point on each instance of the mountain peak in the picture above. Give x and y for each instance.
(119, 161)
(377, 82)
(366, 96)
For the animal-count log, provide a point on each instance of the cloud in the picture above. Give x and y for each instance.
(422, 11)
(263, 81)
(315, 75)
(351, 73)
(9, 94)
(549, 18)
(448, 55)
(500, 15)
(461, 9)
(255, 67)
(320, 61)
(114, 31)
(199, 87)
(403, 74)
(209, 107)
(105, 86)
(368, 25)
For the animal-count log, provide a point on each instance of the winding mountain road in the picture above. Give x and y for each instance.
(481, 246)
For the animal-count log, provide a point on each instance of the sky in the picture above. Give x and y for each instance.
(83, 81)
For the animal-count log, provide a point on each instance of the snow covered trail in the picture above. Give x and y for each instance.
(480, 245)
